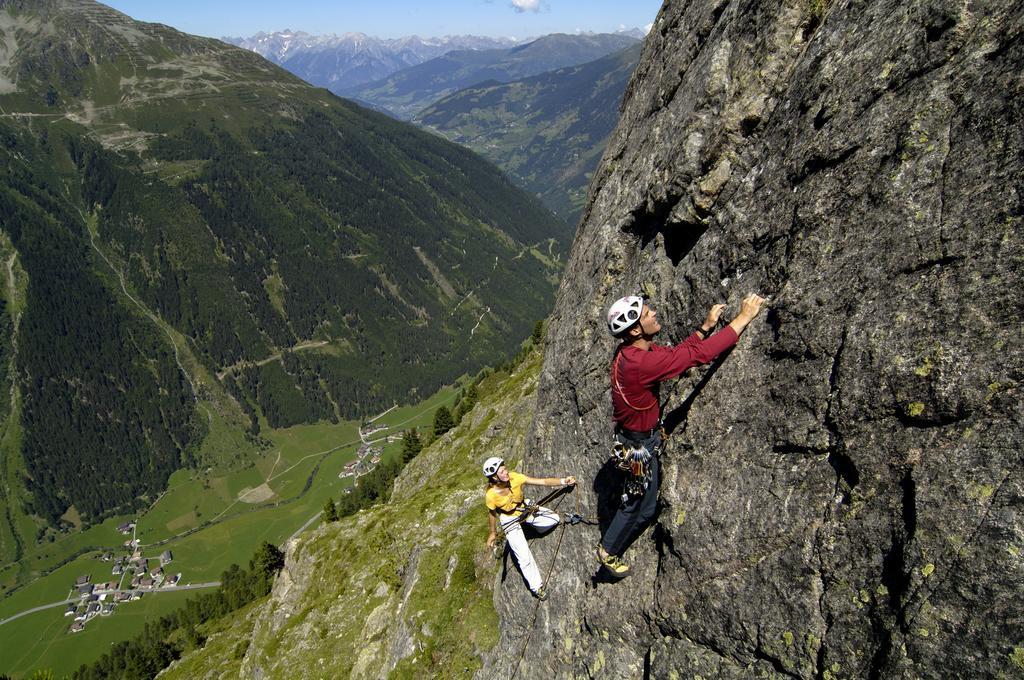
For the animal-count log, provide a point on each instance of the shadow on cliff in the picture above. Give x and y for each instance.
(672, 419)
(678, 236)
(608, 489)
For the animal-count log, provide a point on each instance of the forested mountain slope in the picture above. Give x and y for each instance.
(547, 131)
(196, 240)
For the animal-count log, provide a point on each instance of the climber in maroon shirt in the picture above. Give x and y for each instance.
(638, 367)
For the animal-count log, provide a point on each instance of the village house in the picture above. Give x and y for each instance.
(349, 469)
(369, 429)
(82, 580)
(145, 582)
(71, 609)
(85, 590)
(166, 558)
(77, 626)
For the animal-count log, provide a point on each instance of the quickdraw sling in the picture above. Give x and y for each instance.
(635, 461)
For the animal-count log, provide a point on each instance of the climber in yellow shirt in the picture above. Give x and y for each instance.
(506, 505)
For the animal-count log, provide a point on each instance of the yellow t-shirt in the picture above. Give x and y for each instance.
(505, 500)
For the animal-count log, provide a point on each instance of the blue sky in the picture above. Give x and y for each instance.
(394, 18)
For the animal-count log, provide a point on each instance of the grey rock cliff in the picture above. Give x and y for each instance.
(842, 493)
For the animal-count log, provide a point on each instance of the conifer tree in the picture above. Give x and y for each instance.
(467, 403)
(265, 564)
(538, 333)
(443, 421)
(411, 445)
(330, 513)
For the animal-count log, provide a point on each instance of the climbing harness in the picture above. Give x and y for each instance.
(530, 507)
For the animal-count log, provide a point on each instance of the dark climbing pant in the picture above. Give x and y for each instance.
(634, 514)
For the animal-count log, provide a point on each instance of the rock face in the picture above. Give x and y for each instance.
(842, 494)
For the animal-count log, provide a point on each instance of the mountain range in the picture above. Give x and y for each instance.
(410, 90)
(542, 110)
(546, 131)
(340, 62)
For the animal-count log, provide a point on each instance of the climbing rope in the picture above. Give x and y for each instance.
(551, 569)
(618, 386)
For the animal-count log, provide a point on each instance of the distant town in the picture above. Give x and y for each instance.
(99, 598)
(368, 455)
(91, 597)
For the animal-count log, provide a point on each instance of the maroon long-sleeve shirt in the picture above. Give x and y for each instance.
(636, 374)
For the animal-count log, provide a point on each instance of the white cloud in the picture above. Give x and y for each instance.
(648, 27)
(526, 5)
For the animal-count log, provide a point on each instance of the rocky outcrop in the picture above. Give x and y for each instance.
(842, 494)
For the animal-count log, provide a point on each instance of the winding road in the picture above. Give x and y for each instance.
(164, 589)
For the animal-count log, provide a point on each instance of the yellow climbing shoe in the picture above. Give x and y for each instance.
(612, 564)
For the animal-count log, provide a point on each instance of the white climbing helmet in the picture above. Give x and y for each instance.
(623, 313)
(491, 465)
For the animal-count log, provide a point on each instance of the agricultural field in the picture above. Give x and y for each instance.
(41, 640)
(209, 519)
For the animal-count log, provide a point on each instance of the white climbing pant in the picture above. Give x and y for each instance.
(542, 519)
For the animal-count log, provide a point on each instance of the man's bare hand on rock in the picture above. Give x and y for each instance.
(749, 308)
